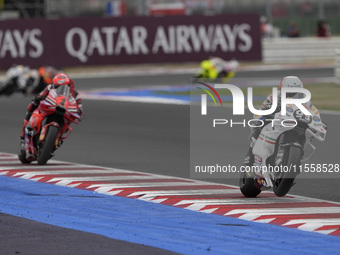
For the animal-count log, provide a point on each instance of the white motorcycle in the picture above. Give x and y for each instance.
(21, 79)
(15, 80)
(280, 150)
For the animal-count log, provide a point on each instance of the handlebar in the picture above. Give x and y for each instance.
(318, 137)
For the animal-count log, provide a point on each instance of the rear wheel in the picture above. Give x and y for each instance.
(46, 149)
(248, 185)
(292, 160)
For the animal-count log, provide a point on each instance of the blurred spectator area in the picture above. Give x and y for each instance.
(280, 13)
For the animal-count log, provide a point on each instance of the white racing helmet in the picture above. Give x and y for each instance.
(291, 82)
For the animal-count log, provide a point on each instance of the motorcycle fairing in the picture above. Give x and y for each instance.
(265, 144)
(36, 120)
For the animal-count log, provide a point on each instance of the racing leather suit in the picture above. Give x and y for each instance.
(255, 132)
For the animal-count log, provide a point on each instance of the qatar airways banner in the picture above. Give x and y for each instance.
(99, 41)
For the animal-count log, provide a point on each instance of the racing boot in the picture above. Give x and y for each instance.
(31, 107)
(22, 133)
(29, 146)
(257, 170)
(249, 159)
(254, 165)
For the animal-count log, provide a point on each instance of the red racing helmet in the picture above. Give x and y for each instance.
(61, 79)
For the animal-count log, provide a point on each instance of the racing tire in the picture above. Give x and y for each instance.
(22, 154)
(248, 186)
(46, 148)
(292, 159)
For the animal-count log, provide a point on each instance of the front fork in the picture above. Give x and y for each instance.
(43, 132)
(30, 133)
(285, 141)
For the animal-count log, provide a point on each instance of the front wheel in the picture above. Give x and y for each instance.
(46, 149)
(248, 185)
(292, 160)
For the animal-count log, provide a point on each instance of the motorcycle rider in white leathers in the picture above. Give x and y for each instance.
(286, 82)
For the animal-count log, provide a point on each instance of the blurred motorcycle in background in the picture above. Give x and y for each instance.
(217, 68)
(15, 80)
(27, 81)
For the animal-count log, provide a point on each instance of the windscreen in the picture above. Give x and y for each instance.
(63, 91)
(297, 95)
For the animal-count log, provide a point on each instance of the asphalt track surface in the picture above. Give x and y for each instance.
(180, 79)
(22, 236)
(142, 137)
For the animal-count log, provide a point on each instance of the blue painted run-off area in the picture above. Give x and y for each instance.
(157, 225)
(170, 92)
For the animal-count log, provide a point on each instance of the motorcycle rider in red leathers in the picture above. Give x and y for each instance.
(60, 79)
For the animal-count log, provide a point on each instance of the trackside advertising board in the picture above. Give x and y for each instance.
(99, 41)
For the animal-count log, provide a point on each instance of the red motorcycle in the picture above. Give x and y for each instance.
(49, 125)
